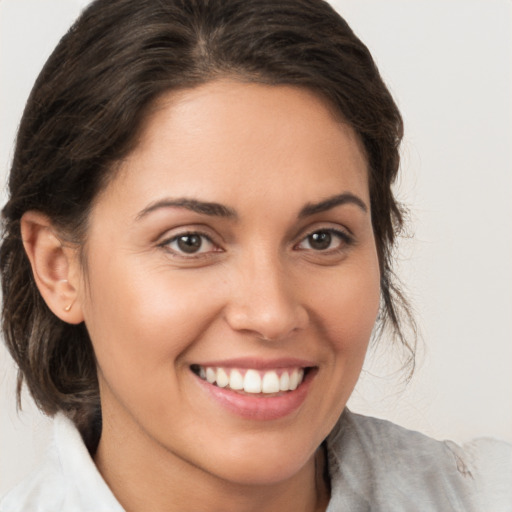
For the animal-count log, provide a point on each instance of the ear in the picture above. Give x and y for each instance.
(55, 266)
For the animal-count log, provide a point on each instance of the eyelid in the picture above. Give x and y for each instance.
(188, 229)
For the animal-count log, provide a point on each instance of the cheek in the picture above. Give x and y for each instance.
(139, 326)
(350, 307)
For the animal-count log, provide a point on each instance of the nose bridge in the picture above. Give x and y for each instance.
(265, 301)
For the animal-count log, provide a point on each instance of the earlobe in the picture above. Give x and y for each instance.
(54, 266)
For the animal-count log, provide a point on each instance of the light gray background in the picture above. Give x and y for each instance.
(449, 65)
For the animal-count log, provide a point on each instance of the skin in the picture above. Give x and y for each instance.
(258, 288)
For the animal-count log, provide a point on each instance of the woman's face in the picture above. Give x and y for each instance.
(233, 249)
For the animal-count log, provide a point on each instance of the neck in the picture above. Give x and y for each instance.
(145, 476)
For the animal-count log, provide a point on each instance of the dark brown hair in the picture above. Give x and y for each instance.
(90, 100)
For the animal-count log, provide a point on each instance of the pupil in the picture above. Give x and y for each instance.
(320, 240)
(189, 243)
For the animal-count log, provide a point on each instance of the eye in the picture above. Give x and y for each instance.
(324, 240)
(190, 244)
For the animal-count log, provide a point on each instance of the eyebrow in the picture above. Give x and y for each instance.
(204, 208)
(332, 202)
(220, 210)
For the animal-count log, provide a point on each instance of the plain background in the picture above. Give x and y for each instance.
(449, 65)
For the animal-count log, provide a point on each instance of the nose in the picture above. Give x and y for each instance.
(265, 301)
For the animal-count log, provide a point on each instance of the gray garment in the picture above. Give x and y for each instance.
(373, 465)
(378, 466)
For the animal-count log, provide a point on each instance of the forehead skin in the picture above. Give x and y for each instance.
(233, 118)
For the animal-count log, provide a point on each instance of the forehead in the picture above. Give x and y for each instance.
(226, 139)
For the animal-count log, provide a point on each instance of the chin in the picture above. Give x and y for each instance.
(261, 458)
(262, 471)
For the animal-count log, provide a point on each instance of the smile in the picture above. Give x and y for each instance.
(248, 380)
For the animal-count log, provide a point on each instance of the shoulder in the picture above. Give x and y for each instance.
(381, 462)
(491, 461)
(40, 491)
(392, 443)
(67, 480)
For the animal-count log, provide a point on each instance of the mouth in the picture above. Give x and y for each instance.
(269, 382)
(257, 389)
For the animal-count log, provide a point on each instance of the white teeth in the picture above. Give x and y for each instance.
(294, 380)
(270, 383)
(236, 380)
(252, 382)
(222, 378)
(211, 375)
(284, 382)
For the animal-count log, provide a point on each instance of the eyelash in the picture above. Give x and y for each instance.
(166, 244)
(343, 236)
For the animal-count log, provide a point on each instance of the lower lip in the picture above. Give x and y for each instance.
(259, 407)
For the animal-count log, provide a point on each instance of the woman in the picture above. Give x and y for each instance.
(197, 250)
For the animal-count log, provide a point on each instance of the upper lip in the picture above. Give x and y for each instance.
(259, 364)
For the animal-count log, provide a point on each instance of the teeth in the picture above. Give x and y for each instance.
(222, 378)
(211, 375)
(270, 383)
(236, 381)
(284, 381)
(252, 381)
(296, 378)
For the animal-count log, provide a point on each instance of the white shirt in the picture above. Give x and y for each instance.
(67, 480)
(374, 466)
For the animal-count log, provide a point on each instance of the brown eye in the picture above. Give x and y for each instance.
(325, 240)
(320, 240)
(189, 243)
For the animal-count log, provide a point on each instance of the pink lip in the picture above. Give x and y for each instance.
(259, 407)
(259, 364)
